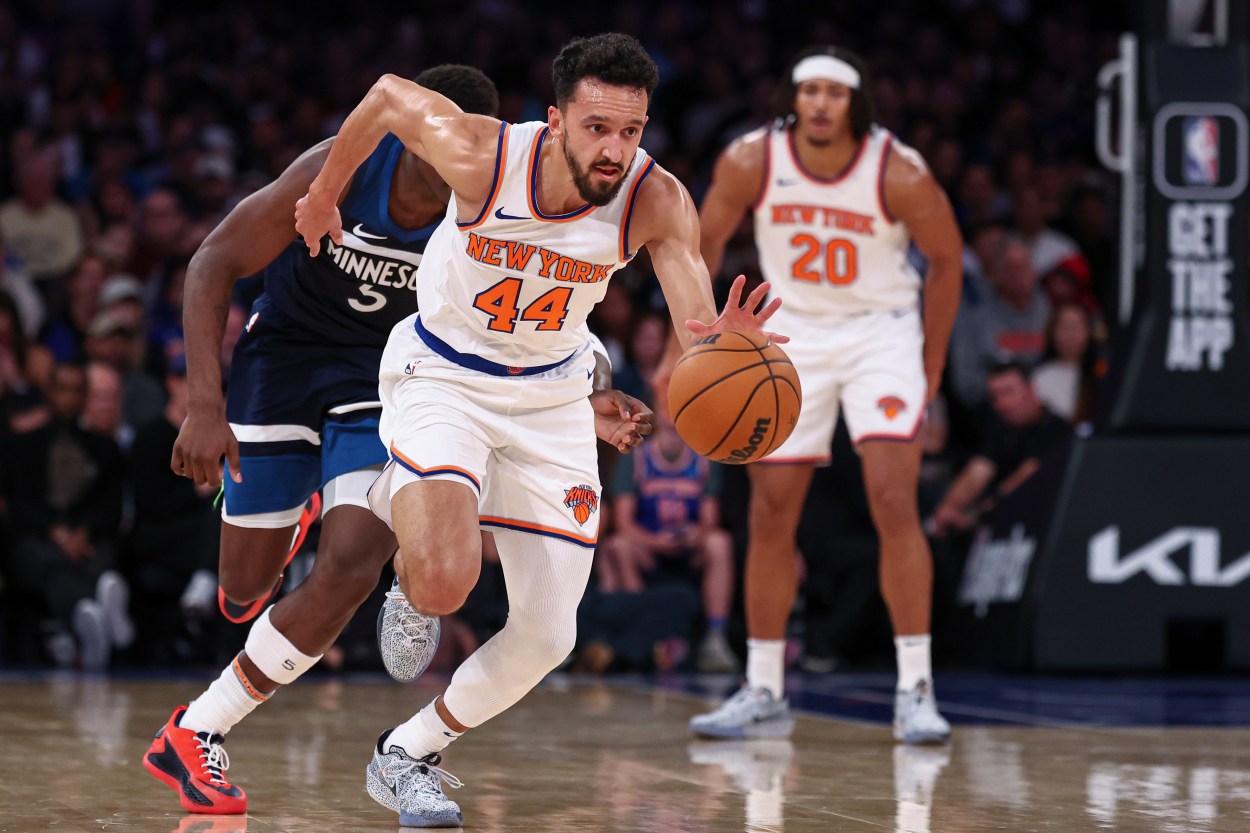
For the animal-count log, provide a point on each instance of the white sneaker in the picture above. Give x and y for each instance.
(199, 598)
(715, 655)
(916, 717)
(411, 787)
(750, 713)
(113, 595)
(92, 633)
(407, 639)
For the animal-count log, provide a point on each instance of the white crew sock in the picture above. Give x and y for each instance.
(224, 703)
(423, 734)
(766, 665)
(913, 660)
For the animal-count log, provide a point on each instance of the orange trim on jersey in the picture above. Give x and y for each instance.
(897, 438)
(496, 185)
(768, 171)
(820, 180)
(531, 188)
(247, 684)
(538, 529)
(629, 210)
(426, 472)
(885, 160)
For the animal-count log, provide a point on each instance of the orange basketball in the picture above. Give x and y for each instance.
(734, 398)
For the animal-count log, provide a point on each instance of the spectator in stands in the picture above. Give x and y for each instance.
(17, 284)
(1046, 246)
(102, 414)
(175, 534)
(22, 365)
(1025, 431)
(113, 341)
(66, 333)
(668, 532)
(1065, 380)
(1008, 325)
(37, 227)
(645, 349)
(64, 490)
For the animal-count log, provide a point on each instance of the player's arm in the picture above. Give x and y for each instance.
(670, 231)
(248, 239)
(913, 196)
(429, 124)
(736, 181)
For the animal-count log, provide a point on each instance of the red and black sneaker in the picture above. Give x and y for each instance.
(194, 765)
(240, 613)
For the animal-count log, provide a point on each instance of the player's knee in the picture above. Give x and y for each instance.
(552, 645)
(438, 587)
(348, 576)
(893, 506)
(242, 585)
(773, 514)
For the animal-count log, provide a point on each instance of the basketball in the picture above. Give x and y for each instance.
(734, 398)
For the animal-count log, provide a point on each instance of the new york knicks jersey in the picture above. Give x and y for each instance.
(829, 246)
(669, 492)
(514, 285)
(351, 295)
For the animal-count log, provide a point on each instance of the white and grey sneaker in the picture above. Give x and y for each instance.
(750, 713)
(406, 638)
(113, 595)
(411, 787)
(916, 717)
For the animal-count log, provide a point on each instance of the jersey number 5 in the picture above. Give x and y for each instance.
(499, 302)
(841, 260)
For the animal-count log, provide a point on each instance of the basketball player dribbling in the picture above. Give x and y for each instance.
(836, 202)
(302, 413)
(484, 391)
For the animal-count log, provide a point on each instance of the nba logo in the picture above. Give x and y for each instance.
(1200, 148)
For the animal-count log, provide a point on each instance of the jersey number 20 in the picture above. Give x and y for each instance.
(500, 303)
(840, 262)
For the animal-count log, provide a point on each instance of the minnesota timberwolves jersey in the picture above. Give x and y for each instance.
(351, 295)
(514, 286)
(669, 491)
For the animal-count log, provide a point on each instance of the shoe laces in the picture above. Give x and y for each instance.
(214, 759)
(410, 624)
(429, 765)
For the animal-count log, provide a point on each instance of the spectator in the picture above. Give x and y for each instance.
(64, 489)
(24, 369)
(175, 534)
(1046, 246)
(1009, 325)
(646, 348)
(668, 532)
(66, 333)
(1025, 430)
(41, 230)
(17, 284)
(114, 342)
(1065, 380)
(102, 414)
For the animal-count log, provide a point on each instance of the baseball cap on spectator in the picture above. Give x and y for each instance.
(214, 165)
(121, 287)
(108, 322)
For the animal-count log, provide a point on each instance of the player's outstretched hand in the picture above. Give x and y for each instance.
(314, 220)
(202, 442)
(620, 419)
(740, 316)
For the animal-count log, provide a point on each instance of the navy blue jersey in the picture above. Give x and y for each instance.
(669, 492)
(351, 295)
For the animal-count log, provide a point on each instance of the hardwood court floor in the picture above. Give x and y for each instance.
(576, 757)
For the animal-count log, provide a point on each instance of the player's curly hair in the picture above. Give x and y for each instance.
(467, 87)
(861, 110)
(613, 58)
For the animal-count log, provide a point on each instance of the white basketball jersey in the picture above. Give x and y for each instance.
(828, 246)
(515, 285)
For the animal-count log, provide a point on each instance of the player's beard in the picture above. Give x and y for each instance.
(595, 193)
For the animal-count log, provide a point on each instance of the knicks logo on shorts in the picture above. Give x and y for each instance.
(891, 406)
(583, 500)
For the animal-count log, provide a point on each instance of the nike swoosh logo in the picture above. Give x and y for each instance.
(786, 183)
(359, 231)
(499, 213)
(590, 374)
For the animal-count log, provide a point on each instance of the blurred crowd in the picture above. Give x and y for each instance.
(130, 128)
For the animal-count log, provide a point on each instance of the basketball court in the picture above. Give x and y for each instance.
(1029, 754)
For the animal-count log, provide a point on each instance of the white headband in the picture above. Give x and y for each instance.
(827, 67)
